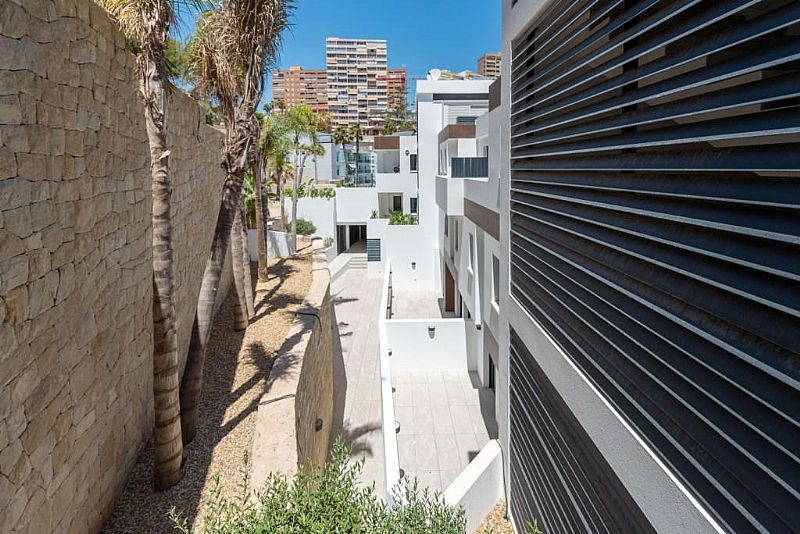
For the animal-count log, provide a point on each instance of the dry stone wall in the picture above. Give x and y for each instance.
(295, 415)
(75, 260)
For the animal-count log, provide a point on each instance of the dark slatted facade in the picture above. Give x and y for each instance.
(373, 250)
(655, 235)
(558, 475)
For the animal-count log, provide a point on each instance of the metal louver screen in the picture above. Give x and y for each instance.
(554, 462)
(373, 250)
(655, 230)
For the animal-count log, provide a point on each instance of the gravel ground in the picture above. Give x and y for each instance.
(237, 365)
(496, 522)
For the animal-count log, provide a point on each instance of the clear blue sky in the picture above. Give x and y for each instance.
(421, 34)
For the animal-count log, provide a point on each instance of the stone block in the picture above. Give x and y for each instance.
(8, 165)
(13, 20)
(15, 192)
(10, 110)
(32, 167)
(10, 245)
(14, 273)
(38, 263)
(15, 137)
(40, 296)
(18, 221)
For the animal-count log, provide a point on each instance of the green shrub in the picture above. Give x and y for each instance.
(402, 218)
(305, 227)
(374, 214)
(328, 242)
(326, 500)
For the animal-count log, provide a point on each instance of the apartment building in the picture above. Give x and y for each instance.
(297, 85)
(489, 65)
(357, 81)
(649, 277)
(395, 83)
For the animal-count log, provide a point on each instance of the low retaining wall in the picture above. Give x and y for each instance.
(295, 415)
(480, 486)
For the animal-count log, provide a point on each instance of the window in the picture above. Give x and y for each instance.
(470, 260)
(414, 207)
(413, 162)
(397, 203)
(446, 219)
(495, 281)
(455, 228)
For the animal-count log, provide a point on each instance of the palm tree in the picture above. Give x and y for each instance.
(357, 135)
(341, 136)
(279, 157)
(229, 55)
(300, 123)
(271, 133)
(146, 25)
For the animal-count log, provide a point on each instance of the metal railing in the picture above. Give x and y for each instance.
(469, 167)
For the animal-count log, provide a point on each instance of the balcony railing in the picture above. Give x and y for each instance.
(469, 167)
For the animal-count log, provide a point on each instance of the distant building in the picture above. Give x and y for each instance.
(489, 64)
(357, 81)
(301, 86)
(395, 82)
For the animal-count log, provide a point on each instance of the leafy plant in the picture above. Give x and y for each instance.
(533, 527)
(398, 218)
(323, 500)
(374, 214)
(305, 227)
(327, 242)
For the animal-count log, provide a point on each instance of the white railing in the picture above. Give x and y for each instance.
(391, 459)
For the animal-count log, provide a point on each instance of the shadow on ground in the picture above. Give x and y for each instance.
(224, 406)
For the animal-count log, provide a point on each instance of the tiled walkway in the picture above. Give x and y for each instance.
(357, 299)
(444, 423)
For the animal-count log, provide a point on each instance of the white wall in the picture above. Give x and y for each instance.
(414, 347)
(354, 205)
(480, 486)
(279, 244)
(320, 211)
(414, 262)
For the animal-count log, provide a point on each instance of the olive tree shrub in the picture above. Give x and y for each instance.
(325, 500)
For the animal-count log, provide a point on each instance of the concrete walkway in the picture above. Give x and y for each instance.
(357, 299)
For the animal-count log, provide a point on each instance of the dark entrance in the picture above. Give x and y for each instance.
(357, 233)
(341, 238)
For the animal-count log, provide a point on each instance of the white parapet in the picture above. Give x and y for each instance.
(391, 456)
(479, 486)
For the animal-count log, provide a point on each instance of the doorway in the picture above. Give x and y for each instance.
(449, 291)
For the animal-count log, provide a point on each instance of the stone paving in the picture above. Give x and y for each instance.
(357, 299)
(444, 423)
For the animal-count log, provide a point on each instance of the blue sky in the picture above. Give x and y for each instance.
(421, 34)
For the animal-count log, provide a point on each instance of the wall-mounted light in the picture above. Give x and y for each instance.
(414, 265)
(431, 331)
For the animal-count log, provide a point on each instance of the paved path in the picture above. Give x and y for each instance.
(357, 299)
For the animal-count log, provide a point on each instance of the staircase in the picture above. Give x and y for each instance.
(357, 261)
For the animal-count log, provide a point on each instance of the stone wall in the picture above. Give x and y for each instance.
(300, 387)
(75, 260)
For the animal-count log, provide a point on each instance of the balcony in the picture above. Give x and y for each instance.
(469, 167)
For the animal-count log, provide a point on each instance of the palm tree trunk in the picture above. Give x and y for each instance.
(281, 197)
(240, 314)
(248, 274)
(237, 150)
(192, 381)
(261, 231)
(166, 401)
(298, 175)
(357, 162)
